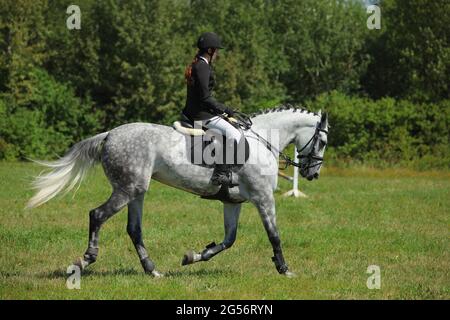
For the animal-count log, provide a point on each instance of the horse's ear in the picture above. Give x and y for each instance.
(324, 121)
(319, 112)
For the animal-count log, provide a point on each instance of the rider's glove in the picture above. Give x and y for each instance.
(229, 112)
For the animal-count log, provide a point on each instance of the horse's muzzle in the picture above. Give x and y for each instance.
(314, 176)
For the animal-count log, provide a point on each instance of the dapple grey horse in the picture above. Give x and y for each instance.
(135, 153)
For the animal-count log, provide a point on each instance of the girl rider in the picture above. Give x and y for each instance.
(201, 105)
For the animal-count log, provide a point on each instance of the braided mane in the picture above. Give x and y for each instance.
(282, 107)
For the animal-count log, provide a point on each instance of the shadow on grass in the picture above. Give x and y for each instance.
(197, 273)
(91, 273)
(61, 274)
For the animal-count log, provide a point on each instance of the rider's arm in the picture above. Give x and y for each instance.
(202, 74)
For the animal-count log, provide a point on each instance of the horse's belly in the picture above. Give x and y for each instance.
(186, 178)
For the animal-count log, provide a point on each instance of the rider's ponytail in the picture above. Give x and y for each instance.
(188, 71)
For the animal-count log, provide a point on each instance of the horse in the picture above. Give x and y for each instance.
(133, 154)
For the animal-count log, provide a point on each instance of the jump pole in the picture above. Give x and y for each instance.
(295, 192)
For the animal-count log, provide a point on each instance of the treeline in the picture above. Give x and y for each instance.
(126, 63)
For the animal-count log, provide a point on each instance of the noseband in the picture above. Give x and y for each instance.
(310, 156)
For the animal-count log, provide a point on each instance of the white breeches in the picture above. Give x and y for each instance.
(224, 127)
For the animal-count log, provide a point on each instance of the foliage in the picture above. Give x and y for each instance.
(46, 122)
(411, 56)
(323, 43)
(127, 64)
(388, 130)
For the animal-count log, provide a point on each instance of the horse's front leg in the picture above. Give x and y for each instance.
(231, 213)
(266, 208)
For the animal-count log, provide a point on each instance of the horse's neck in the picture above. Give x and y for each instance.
(286, 124)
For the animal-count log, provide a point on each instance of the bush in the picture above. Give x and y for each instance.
(45, 121)
(386, 131)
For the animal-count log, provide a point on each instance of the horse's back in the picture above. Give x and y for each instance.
(136, 128)
(128, 153)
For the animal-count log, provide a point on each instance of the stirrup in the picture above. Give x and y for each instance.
(222, 175)
(221, 180)
(225, 181)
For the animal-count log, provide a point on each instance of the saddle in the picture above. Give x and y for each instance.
(197, 143)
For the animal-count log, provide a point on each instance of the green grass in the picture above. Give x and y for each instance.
(398, 220)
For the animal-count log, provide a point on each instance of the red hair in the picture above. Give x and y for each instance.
(188, 70)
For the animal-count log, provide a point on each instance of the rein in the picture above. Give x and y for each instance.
(286, 158)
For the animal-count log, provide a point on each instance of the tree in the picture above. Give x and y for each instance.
(22, 44)
(323, 42)
(412, 54)
(249, 67)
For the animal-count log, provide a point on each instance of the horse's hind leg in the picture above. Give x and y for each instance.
(134, 229)
(97, 217)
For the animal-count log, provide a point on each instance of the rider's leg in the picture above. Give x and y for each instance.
(224, 127)
(222, 170)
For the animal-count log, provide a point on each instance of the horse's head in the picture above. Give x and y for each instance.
(311, 143)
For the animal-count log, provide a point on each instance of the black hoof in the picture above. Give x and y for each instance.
(148, 265)
(188, 258)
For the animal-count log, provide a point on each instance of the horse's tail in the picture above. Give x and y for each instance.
(67, 171)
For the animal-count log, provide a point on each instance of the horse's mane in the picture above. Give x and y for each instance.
(282, 107)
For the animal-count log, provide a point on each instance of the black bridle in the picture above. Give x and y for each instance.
(311, 156)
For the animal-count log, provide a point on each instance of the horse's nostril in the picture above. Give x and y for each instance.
(316, 175)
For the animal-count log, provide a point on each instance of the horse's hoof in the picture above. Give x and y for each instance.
(188, 258)
(148, 265)
(156, 274)
(80, 263)
(290, 274)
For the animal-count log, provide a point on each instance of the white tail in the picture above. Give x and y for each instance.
(68, 171)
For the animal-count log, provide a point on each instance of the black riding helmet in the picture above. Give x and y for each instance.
(209, 40)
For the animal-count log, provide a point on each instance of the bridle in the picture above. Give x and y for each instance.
(310, 156)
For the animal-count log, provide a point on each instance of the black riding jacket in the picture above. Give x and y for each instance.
(200, 104)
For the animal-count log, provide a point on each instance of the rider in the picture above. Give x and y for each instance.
(201, 105)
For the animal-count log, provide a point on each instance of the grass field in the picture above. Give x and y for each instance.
(398, 220)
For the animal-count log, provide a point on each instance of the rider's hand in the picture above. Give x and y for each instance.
(229, 112)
